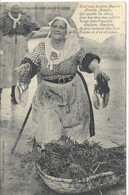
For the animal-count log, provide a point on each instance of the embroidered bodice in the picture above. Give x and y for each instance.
(67, 67)
(39, 64)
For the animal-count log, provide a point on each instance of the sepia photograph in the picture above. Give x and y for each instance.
(63, 68)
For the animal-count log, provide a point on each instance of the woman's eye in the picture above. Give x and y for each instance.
(59, 27)
(54, 26)
(62, 27)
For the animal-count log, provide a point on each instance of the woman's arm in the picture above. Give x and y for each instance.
(93, 66)
(29, 66)
(25, 73)
(29, 25)
(89, 63)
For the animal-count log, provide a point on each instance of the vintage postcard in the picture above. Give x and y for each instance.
(63, 98)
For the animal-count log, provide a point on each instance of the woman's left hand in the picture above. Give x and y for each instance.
(94, 66)
(102, 89)
(106, 77)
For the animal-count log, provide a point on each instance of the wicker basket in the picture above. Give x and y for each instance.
(91, 183)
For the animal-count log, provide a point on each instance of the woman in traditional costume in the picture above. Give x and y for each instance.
(61, 104)
(15, 27)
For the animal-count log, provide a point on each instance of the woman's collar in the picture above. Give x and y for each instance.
(15, 20)
(70, 49)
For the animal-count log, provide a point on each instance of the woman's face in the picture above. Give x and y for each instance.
(58, 30)
(15, 9)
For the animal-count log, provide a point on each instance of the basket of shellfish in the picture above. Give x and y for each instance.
(90, 183)
(69, 167)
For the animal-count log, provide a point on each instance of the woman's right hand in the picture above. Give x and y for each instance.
(23, 69)
(22, 93)
(23, 86)
(24, 73)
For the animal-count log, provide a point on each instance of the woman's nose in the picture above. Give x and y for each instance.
(57, 28)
